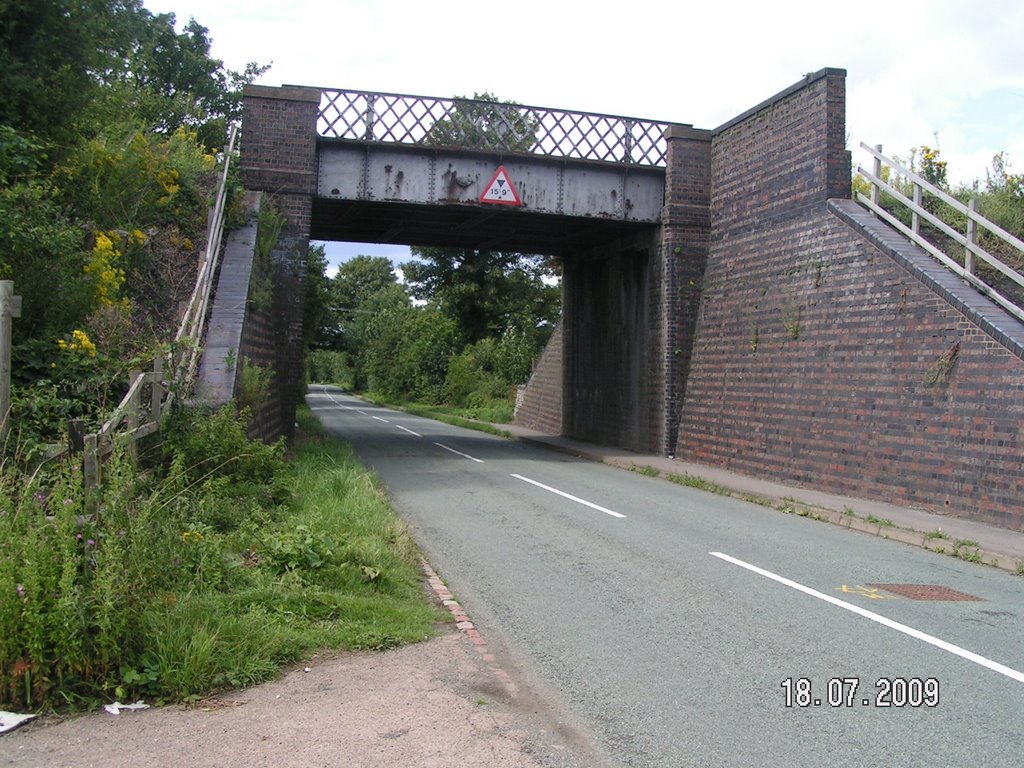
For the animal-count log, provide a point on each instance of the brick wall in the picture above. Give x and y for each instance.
(819, 358)
(541, 406)
(682, 257)
(279, 159)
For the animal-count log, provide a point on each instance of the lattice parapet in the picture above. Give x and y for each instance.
(490, 126)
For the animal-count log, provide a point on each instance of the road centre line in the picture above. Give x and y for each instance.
(956, 650)
(569, 496)
(460, 453)
(406, 429)
(378, 418)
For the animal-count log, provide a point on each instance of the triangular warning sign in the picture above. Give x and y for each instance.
(501, 190)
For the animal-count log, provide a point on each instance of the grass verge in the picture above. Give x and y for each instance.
(192, 579)
(457, 417)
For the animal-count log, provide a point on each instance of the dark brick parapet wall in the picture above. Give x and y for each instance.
(820, 359)
(279, 159)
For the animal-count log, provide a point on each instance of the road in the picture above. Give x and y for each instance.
(675, 623)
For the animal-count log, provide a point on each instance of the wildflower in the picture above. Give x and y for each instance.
(21, 590)
(68, 502)
(78, 537)
(90, 543)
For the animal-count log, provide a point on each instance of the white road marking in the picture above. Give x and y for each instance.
(460, 453)
(362, 412)
(340, 405)
(378, 418)
(569, 496)
(956, 650)
(405, 429)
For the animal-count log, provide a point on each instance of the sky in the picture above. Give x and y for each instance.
(946, 73)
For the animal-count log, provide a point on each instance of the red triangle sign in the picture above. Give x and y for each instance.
(500, 190)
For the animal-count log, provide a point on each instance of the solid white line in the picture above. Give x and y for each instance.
(463, 455)
(569, 496)
(956, 650)
(378, 418)
(405, 429)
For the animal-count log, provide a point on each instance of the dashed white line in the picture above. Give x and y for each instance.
(569, 496)
(460, 453)
(956, 650)
(378, 418)
(406, 429)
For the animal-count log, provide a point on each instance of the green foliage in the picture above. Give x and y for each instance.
(1000, 199)
(487, 293)
(407, 351)
(43, 252)
(316, 306)
(212, 447)
(350, 300)
(71, 66)
(473, 380)
(254, 384)
(484, 122)
(326, 366)
(20, 156)
(197, 579)
(131, 179)
(270, 225)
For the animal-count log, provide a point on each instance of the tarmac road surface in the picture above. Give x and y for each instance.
(685, 628)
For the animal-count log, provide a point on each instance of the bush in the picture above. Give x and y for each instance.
(407, 351)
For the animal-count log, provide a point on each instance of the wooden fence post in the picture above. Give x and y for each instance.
(156, 396)
(132, 416)
(972, 235)
(91, 471)
(10, 307)
(877, 171)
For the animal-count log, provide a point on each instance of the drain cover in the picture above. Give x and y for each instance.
(927, 592)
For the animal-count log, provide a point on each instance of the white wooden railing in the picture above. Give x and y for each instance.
(968, 238)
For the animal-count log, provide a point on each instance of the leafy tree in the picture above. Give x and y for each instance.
(484, 122)
(486, 292)
(51, 56)
(407, 350)
(71, 66)
(359, 278)
(356, 281)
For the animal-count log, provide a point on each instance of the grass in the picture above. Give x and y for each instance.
(693, 481)
(646, 470)
(182, 588)
(482, 420)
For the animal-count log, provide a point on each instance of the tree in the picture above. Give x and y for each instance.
(485, 123)
(72, 66)
(357, 280)
(487, 293)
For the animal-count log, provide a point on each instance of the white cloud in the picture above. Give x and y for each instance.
(912, 65)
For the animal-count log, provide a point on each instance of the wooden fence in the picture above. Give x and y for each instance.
(967, 239)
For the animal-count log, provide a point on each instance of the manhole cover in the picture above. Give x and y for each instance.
(927, 592)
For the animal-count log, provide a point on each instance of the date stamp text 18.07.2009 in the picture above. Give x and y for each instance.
(895, 692)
